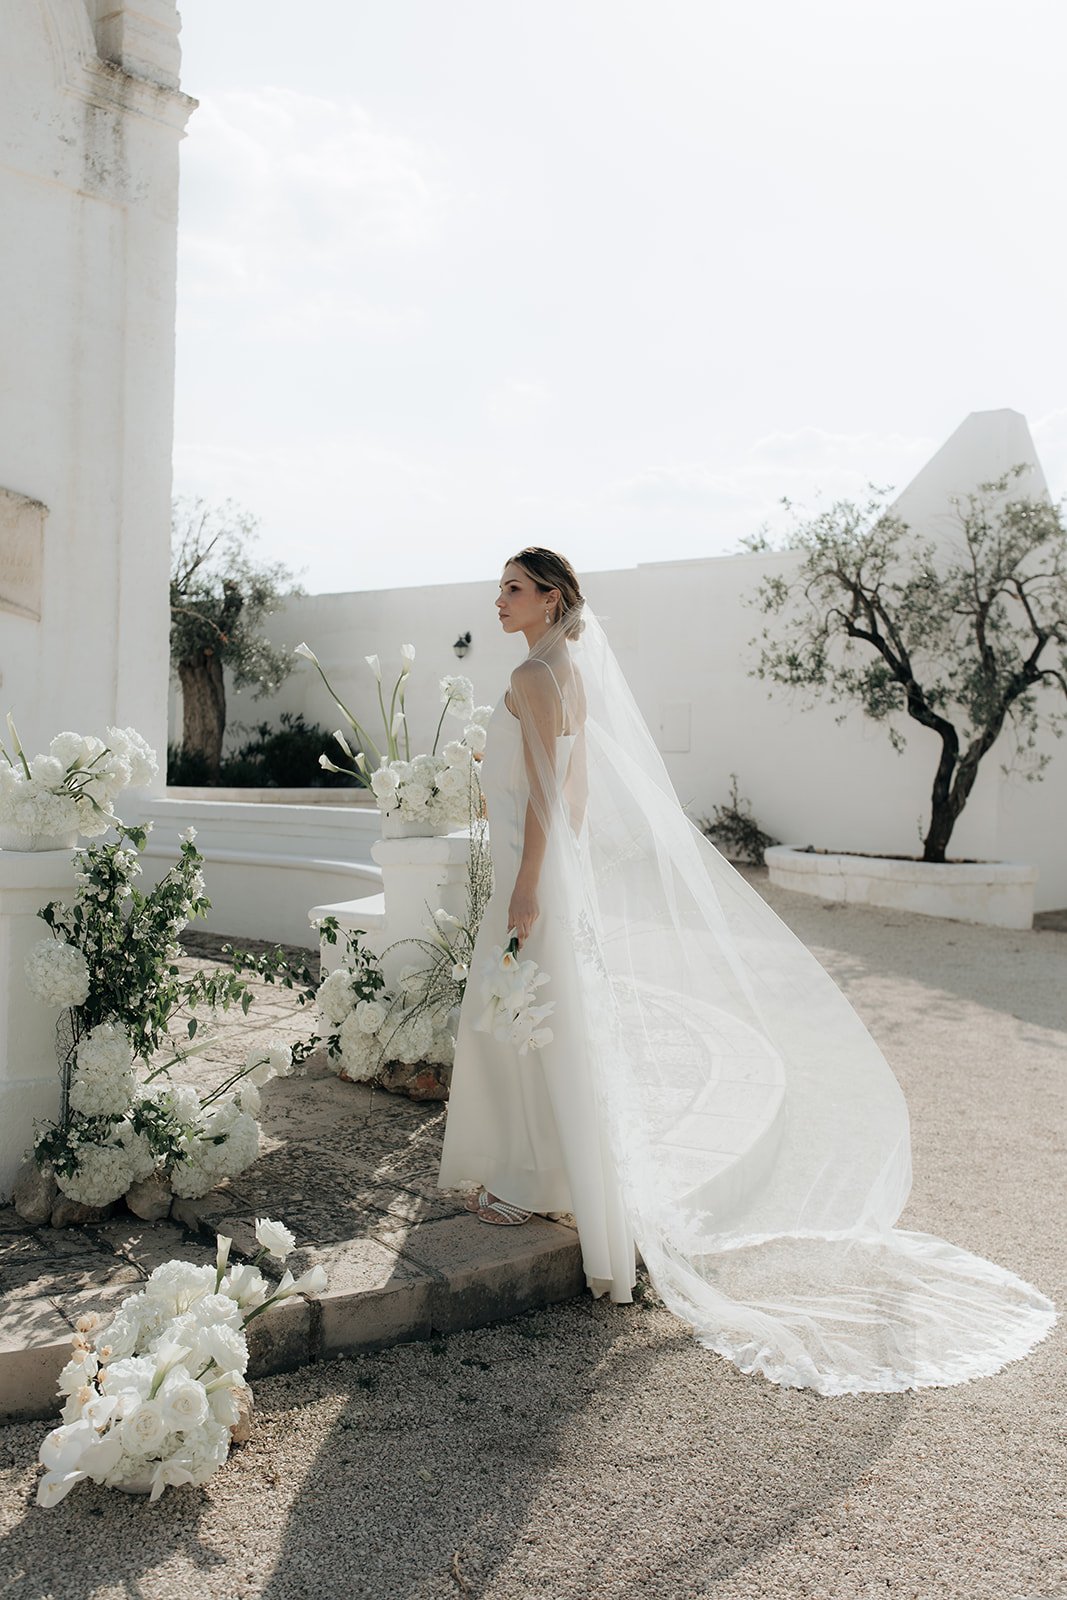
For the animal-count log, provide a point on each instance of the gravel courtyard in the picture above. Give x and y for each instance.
(591, 1450)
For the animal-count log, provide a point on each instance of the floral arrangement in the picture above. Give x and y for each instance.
(432, 789)
(110, 964)
(510, 990)
(365, 1027)
(154, 1396)
(72, 789)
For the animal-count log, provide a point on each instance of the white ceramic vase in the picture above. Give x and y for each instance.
(16, 839)
(396, 827)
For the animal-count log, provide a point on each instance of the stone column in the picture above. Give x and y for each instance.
(29, 1070)
(419, 876)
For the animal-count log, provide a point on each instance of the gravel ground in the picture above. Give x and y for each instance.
(595, 1451)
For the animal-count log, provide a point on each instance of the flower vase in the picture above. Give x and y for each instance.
(394, 826)
(18, 840)
(139, 1483)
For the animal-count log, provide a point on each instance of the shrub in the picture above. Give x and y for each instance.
(286, 757)
(735, 830)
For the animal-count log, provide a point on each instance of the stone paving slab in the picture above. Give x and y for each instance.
(351, 1171)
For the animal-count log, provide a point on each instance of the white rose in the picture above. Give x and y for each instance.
(183, 1401)
(370, 1015)
(143, 1429)
(275, 1238)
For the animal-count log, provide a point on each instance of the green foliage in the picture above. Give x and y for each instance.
(130, 943)
(735, 830)
(286, 757)
(959, 635)
(220, 595)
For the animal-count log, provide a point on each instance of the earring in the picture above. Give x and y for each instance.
(548, 617)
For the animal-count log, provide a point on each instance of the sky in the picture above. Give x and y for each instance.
(457, 276)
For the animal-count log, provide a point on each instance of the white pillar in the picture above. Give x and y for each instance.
(29, 1069)
(419, 877)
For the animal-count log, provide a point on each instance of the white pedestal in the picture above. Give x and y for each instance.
(419, 877)
(29, 1072)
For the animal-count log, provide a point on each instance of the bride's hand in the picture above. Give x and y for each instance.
(523, 911)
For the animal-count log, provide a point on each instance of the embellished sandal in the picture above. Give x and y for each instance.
(496, 1213)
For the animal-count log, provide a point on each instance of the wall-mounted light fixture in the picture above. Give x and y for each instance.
(462, 645)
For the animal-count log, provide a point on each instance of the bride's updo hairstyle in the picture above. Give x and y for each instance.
(551, 571)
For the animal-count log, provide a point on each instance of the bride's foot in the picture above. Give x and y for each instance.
(497, 1213)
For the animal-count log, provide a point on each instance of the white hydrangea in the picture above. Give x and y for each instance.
(105, 1171)
(226, 1144)
(336, 997)
(410, 1040)
(103, 1078)
(274, 1059)
(135, 755)
(360, 1054)
(57, 973)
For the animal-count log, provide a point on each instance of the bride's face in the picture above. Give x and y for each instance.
(520, 603)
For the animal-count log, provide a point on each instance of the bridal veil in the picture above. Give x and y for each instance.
(761, 1139)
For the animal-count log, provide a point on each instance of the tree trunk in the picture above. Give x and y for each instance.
(947, 805)
(203, 707)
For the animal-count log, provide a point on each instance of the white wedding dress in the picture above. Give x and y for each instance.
(709, 1096)
(528, 1127)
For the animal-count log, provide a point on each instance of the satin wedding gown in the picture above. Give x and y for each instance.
(709, 1096)
(528, 1127)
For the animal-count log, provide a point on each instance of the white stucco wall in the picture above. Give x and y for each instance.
(682, 632)
(90, 121)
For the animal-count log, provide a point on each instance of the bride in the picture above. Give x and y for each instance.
(708, 1098)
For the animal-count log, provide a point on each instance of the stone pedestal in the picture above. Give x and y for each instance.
(419, 877)
(29, 1073)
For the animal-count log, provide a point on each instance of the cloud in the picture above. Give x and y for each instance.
(518, 400)
(293, 204)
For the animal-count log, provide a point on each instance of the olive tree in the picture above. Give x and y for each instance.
(219, 598)
(964, 635)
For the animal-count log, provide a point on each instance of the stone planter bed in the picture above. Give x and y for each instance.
(999, 894)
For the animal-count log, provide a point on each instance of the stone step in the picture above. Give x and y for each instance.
(401, 1284)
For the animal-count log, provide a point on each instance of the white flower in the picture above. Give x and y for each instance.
(103, 1078)
(375, 665)
(343, 742)
(313, 1281)
(457, 690)
(360, 1052)
(475, 736)
(57, 973)
(384, 782)
(370, 1015)
(245, 1286)
(177, 1285)
(407, 653)
(249, 1098)
(189, 835)
(70, 750)
(275, 1238)
(135, 758)
(144, 1428)
(182, 1401)
(327, 765)
(270, 1060)
(398, 723)
(226, 1346)
(307, 653)
(336, 996)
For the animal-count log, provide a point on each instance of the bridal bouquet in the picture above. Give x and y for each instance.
(155, 1396)
(429, 788)
(71, 789)
(509, 988)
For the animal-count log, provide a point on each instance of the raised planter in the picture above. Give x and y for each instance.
(999, 894)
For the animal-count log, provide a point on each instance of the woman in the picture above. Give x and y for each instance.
(708, 1093)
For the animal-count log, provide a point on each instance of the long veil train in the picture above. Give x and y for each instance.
(761, 1138)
